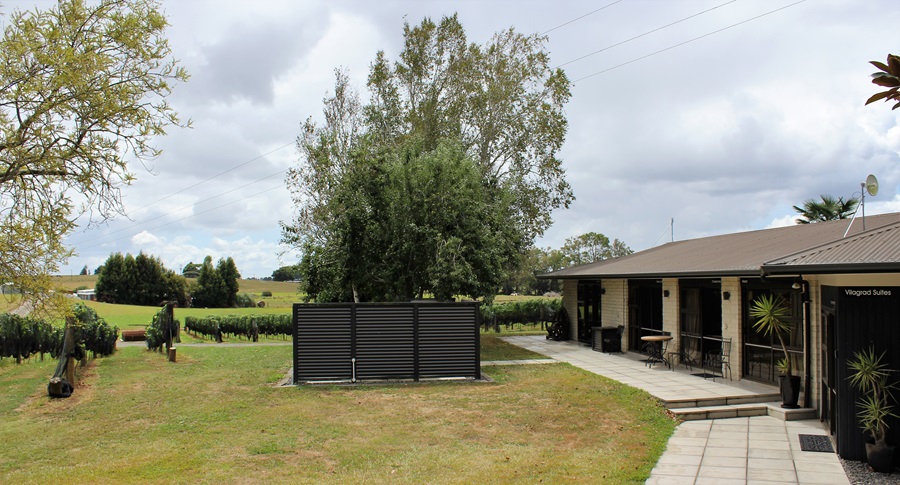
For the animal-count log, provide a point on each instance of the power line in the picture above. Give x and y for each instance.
(581, 17)
(687, 41)
(105, 236)
(214, 177)
(644, 34)
(192, 215)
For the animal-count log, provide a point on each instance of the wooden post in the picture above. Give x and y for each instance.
(172, 354)
(169, 322)
(69, 348)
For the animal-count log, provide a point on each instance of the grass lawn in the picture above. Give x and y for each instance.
(214, 417)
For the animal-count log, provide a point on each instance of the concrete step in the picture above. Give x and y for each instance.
(773, 409)
(721, 401)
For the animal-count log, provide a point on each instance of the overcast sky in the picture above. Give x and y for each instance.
(719, 120)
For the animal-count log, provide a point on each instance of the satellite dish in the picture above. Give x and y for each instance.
(872, 185)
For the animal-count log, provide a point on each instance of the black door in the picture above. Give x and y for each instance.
(588, 309)
(644, 311)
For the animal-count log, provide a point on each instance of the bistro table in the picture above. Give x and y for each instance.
(656, 348)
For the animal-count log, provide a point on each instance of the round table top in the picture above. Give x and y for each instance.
(656, 338)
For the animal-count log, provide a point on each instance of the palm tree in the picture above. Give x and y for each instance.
(828, 209)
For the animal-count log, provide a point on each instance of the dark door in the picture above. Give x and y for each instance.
(644, 311)
(588, 309)
(700, 319)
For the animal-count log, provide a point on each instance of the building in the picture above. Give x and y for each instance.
(841, 280)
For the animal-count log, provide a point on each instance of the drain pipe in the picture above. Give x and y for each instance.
(807, 337)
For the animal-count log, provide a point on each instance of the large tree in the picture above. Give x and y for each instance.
(409, 222)
(498, 105)
(591, 247)
(83, 89)
(828, 208)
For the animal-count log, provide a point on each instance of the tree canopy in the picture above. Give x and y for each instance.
(216, 286)
(591, 247)
(828, 208)
(139, 280)
(84, 90)
(455, 135)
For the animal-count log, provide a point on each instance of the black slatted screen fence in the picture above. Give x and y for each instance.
(369, 341)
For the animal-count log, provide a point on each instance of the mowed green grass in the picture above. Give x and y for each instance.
(215, 417)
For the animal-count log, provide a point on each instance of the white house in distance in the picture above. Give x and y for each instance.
(843, 287)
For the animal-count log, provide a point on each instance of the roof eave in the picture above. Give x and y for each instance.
(839, 268)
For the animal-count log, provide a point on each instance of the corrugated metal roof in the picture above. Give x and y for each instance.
(877, 249)
(737, 254)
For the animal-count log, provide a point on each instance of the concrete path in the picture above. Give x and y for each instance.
(757, 449)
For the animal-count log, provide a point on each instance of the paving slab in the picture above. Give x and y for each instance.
(749, 449)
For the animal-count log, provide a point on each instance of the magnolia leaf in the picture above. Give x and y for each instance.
(885, 80)
(894, 63)
(880, 65)
(876, 97)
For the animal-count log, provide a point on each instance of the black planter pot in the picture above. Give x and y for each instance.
(880, 457)
(790, 391)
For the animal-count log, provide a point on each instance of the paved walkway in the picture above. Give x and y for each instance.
(759, 449)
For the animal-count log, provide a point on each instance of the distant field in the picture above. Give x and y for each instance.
(246, 286)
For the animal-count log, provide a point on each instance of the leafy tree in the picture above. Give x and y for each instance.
(827, 209)
(191, 270)
(536, 261)
(591, 247)
(498, 105)
(889, 77)
(229, 275)
(216, 286)
(287, 273)
(501, 100)
(84, 90)
(412, 222)
(140, 280)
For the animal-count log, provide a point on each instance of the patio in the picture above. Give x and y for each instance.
(734, 432)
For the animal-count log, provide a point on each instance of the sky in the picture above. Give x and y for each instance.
(718, 115)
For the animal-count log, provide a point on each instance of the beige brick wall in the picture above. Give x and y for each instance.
(731, 323)
(614, 306)
(815, 340)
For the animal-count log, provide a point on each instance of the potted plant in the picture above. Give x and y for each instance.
(771, 313)
(870, 375)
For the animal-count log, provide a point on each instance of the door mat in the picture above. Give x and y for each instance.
(815, 442)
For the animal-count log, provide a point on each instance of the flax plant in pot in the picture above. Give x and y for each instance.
(871, 376)
(771, 313)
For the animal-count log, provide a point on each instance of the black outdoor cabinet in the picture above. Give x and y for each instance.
(606, 339)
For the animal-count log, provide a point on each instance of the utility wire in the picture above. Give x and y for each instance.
(579, 18)
(190, 216)
(215, 177)
(175, 211)
(687, 42)
(644, 34)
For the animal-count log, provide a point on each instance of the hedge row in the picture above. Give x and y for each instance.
(526, 312)
(218, 327)
(22, 337)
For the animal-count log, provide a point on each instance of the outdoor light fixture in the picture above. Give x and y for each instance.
(796, 285)
(602, 291)
(726, 295)
(666, 293)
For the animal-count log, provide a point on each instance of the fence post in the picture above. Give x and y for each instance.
(69, 346)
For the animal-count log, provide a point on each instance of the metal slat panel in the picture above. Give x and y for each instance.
(387, 340)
